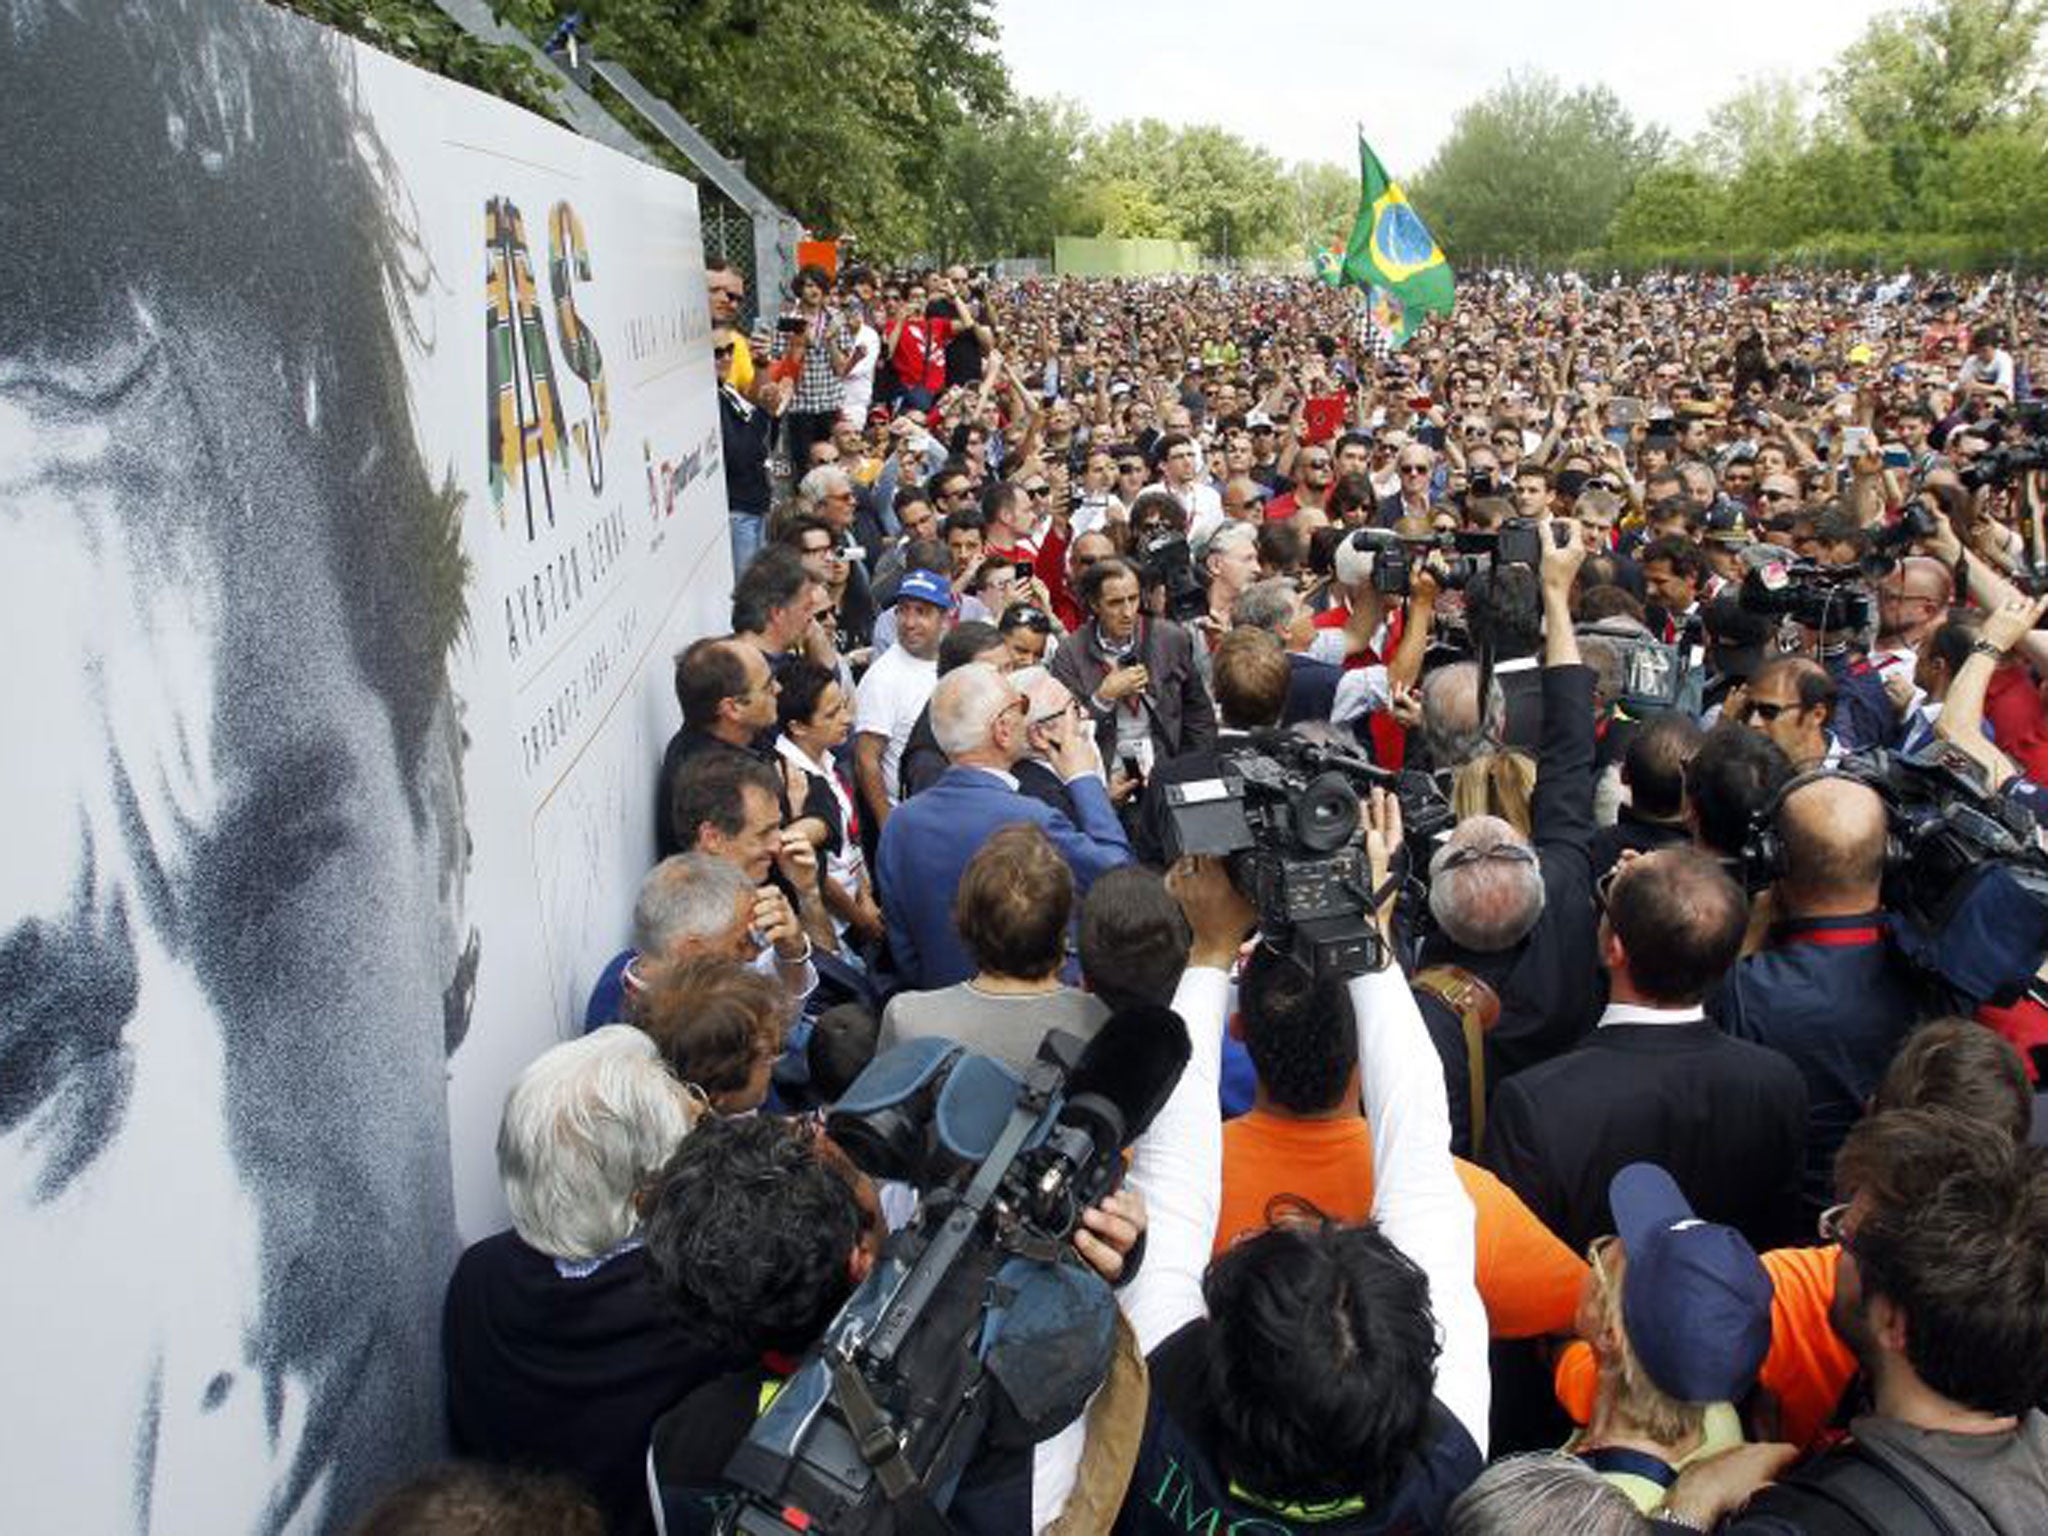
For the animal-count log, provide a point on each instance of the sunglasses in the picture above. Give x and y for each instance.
(1764, 710)
(1037, 490)
(721, 351)
(1777, 496)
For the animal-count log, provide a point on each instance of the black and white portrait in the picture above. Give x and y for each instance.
(234, 955)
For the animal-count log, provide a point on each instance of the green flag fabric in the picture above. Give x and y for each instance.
(1389, 318)
(1327, 263)
(1390, 247)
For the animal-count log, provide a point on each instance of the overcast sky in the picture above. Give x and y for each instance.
(1295, 76)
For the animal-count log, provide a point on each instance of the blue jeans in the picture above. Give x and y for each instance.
(745, 528)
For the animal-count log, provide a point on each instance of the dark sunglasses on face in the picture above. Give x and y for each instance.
(1764, 710)
(721, 351)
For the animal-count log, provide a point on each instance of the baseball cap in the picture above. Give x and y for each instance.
(1258, 419)
(1736, 637)
(1695, 1300)
(1726, 524)
(926, 587)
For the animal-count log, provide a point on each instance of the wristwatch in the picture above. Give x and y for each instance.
(1986, 648)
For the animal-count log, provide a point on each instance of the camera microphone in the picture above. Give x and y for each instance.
(1132, 1065)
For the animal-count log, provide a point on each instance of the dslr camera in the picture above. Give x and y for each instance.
(1164, 560)
(1828, 598)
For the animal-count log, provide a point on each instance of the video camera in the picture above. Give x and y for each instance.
(1164, 559)
(1968, 877)
(2009, 460)
(1284, 812)
(978, 1327)
(1518, 541)
(1834, 598)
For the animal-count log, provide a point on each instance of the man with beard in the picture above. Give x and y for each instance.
(1941, 1289)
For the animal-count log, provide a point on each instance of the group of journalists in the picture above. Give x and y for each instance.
(1257, 931)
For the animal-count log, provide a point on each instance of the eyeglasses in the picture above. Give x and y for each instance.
(1833, 1224)
(1414, 469)
(1037, 492)
(721, 351)
(1503, 853)
(1777, 495)
(1765, 709)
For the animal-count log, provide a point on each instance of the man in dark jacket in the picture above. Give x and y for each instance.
(1656, 1082)
(1136, 675)
(745, 430)
(1831, 992)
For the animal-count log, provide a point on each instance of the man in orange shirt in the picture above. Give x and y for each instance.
(1305, 1142)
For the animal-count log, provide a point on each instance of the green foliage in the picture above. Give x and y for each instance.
(1200, 183)
(1534, 169)
(842, 110)
(1007, 187)
(420, 33)
(1932, 148)
(1325, 204)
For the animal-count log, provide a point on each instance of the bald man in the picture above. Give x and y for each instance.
(1830, 990)
(1912, 603)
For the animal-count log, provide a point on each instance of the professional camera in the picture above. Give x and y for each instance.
(1284, 812)
(2004, 464)
(1164, 560)
(1653, 676)
(1967, 876)
(1518, 541)
(1823, 597)
(978, 1328)
(1890, 540)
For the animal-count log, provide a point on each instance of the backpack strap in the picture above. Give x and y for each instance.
(1477, 1006)
(1852, 1492)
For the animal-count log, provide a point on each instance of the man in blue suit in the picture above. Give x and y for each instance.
(980, 719)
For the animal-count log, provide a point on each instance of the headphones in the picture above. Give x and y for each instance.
(1763, 854)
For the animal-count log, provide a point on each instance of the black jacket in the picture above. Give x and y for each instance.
(744, 440)
(565, 1375)
(1550, 985)
(1176, 702)
(1726, 1118)
(1835, 997)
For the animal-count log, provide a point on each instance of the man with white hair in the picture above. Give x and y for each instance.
(827, 492)
(1514, 923)
(982, 722)
(691, 906)
(559, 1354)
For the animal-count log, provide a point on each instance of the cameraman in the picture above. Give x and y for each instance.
(1313, 1364)
(1135, 674)
(759, 1230)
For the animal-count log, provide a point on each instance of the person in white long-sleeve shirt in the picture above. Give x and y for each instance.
(1317, 1376)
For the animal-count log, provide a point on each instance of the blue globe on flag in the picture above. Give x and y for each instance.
(1402, 240)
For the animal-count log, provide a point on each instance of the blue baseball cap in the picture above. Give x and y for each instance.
(925, 587)
(1695, 1300)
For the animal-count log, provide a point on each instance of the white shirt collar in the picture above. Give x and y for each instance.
(1009, 779)
(1642, 1013)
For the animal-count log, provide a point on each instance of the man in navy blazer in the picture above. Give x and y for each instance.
(980, 719)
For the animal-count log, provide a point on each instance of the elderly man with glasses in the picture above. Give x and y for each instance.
(1415, 464)
(983, 723)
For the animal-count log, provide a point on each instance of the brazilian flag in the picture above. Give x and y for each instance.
(1327, 263)
(1390, 247)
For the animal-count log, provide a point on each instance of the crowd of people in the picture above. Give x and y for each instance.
(1655, 1180)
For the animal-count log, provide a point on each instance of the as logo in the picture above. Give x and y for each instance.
(524, 426)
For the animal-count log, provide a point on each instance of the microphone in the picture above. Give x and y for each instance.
(1125, 1076)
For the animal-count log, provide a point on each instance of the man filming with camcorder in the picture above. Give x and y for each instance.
(768, 1238)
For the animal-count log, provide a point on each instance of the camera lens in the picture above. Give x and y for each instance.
(1326, 815)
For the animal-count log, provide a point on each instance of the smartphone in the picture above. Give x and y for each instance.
(789, 325)
(1855, 442)
(1897, 456)
(1623, 411)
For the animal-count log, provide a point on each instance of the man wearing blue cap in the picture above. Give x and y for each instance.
(1678, 1312)
(896, 688)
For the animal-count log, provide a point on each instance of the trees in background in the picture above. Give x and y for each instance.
(895, 120)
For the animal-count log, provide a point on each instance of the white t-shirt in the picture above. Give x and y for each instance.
(1203, 507)
(860, 380)
(891, 697)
